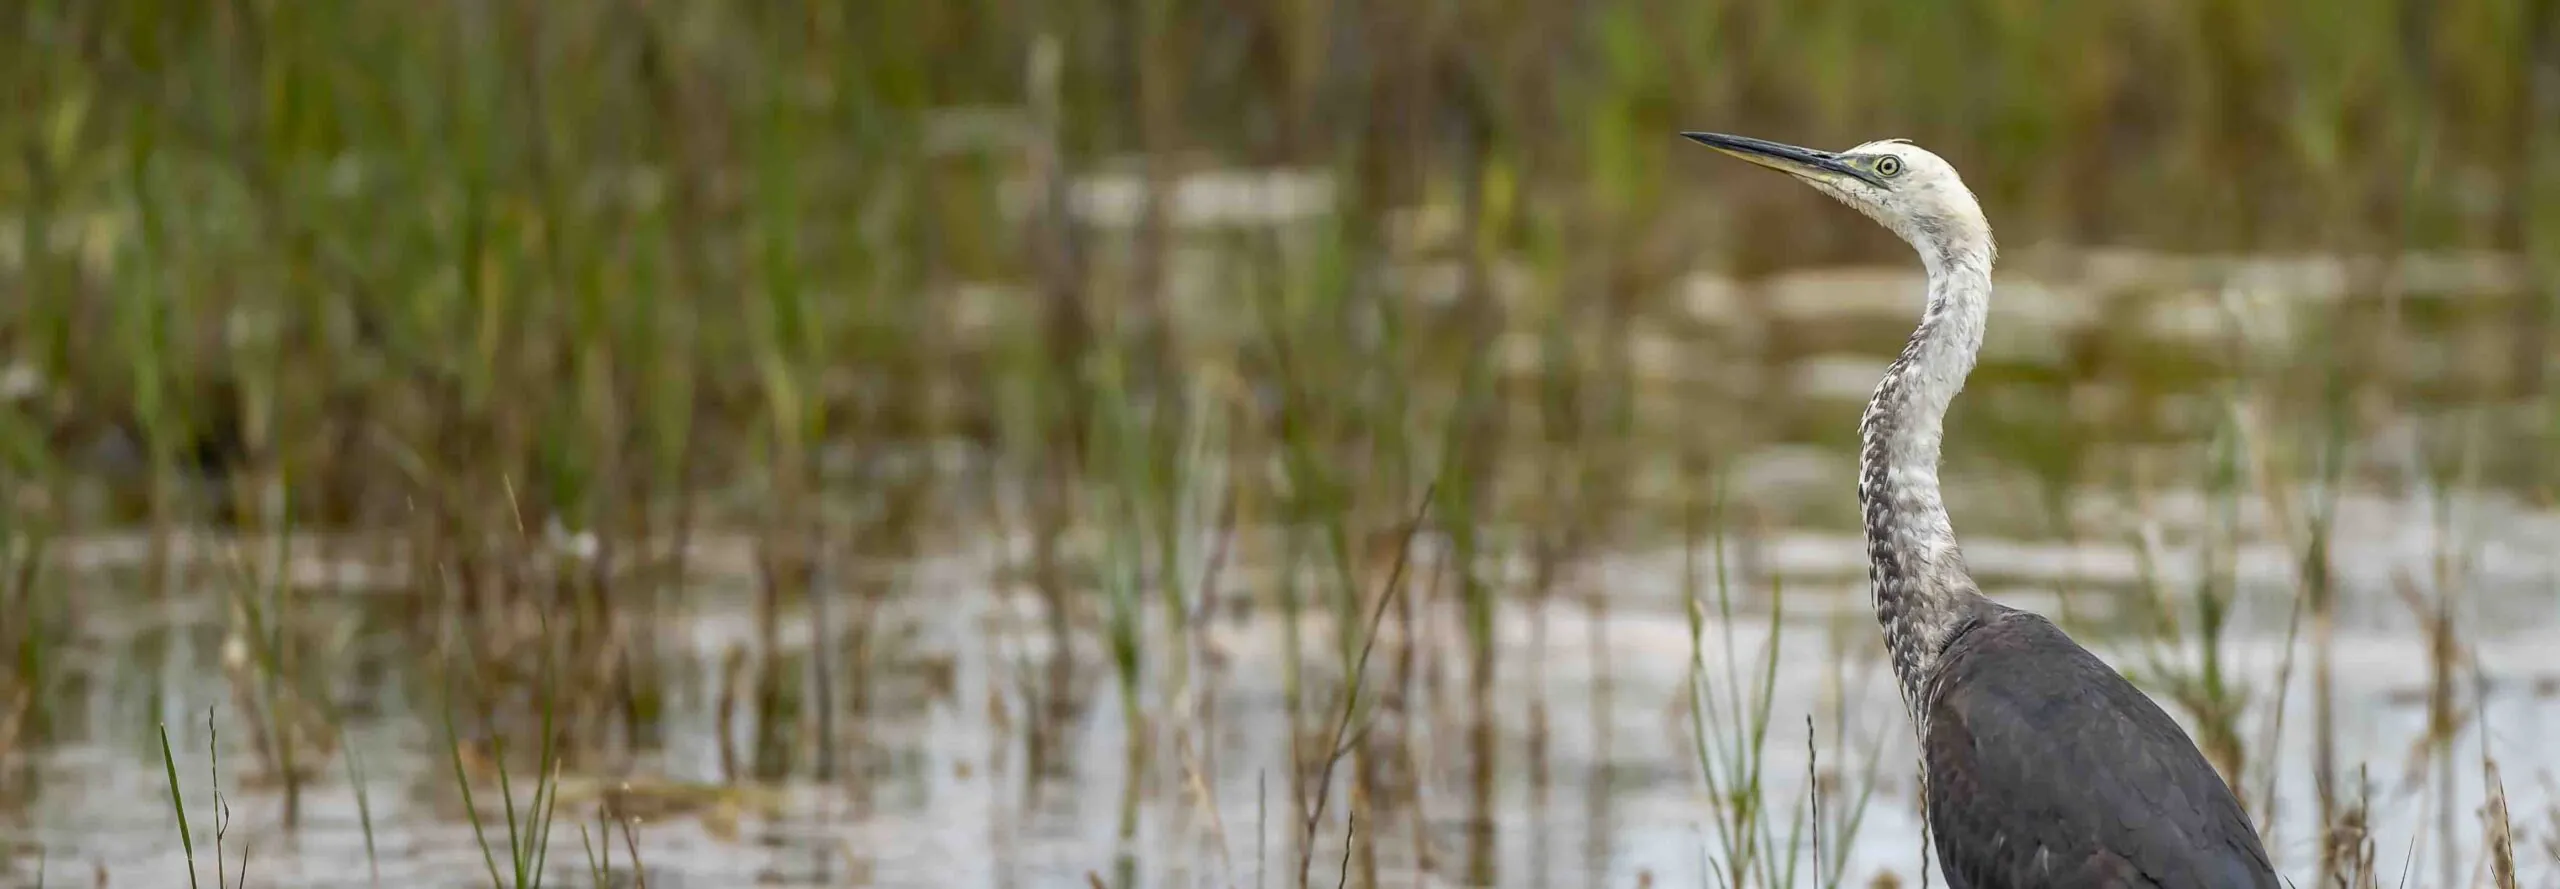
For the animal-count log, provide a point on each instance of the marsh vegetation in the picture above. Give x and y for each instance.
(1259, 443)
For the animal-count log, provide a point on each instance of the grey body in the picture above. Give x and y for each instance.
(2046, 768)
(2042, 766)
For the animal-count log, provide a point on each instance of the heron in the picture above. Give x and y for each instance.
(2040, 765)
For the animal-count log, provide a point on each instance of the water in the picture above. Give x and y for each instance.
(1604, 790)
(1595, 775)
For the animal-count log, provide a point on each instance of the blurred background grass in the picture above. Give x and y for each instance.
(527, 299)
(620, 250)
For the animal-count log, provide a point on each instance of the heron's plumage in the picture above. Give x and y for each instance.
(2049, 769)
(1916, 570)
(2041, 765)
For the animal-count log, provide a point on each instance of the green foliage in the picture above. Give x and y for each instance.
(614, 249)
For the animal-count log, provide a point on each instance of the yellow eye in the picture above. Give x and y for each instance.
(1888, 166)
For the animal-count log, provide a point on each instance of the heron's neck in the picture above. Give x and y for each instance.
(1922, 593)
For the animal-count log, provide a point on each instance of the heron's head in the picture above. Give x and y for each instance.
(1902, 186)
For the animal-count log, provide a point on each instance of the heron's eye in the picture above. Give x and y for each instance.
(1888, 166)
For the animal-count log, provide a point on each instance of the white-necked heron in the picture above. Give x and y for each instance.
(2041, 765)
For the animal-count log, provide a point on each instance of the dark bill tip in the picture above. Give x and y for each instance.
(1775, 155)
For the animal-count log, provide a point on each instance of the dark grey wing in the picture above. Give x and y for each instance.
(2047, 768)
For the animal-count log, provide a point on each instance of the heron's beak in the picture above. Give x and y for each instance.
(1802, 162)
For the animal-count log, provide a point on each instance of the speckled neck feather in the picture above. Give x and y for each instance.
(1922, 593)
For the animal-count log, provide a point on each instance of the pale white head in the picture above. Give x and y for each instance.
(1910, 191)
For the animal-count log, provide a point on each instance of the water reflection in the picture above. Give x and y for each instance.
(962, 747)
(1593, 776)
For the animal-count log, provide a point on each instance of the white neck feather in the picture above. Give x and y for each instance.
(1923, 594)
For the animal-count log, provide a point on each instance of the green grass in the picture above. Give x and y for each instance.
(446, 273)
(221, 808)
(528, 834)
(178, 807)
(364, 807)
(642, 276)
